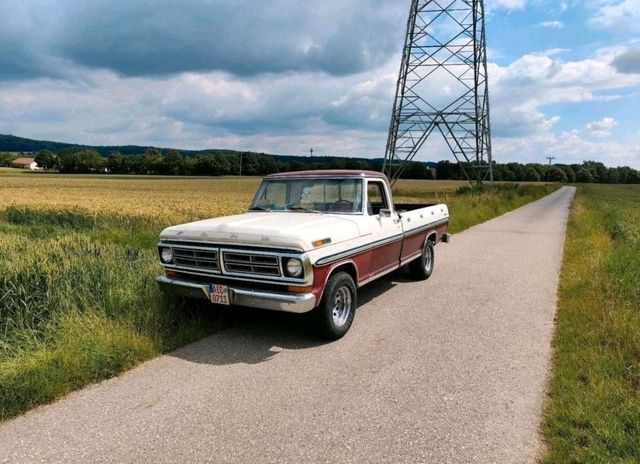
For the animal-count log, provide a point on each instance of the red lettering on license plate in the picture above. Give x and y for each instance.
(219, 294)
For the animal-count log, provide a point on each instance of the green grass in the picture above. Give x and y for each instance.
(470, 206)
(593, 413)
(78, 300)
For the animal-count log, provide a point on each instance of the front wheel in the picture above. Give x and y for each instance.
(337, 307)
(422, 268)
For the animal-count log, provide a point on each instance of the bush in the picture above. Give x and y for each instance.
(531, 175)
(584, 176)
(557, 175)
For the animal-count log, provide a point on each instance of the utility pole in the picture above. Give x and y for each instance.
(445, 47)
(311, 151)
(551, 158)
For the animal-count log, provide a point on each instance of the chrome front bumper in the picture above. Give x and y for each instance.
(287, 302)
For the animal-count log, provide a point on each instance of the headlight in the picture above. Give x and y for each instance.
(166, 254)
(294, 267)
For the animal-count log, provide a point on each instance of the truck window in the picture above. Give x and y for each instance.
(338, 196)
(376, 198)
(273, 195)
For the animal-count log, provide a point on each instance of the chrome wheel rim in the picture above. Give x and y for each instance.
(428, 259)
(341, 306)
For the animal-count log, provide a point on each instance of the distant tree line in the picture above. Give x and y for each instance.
(587, 172)
(173, 162)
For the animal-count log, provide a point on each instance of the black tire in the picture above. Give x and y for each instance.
(334, 315)
(422, 268)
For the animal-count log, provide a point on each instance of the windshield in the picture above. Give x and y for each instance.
(336, 196)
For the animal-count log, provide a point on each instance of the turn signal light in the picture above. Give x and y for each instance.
(319, 243)
(294, 289)
(170, 273)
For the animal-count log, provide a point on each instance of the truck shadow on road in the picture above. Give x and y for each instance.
(249, 336)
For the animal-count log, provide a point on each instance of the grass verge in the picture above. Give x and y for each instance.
(78, 301)
(593, 414)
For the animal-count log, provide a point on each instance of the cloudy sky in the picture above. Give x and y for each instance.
(282, 76)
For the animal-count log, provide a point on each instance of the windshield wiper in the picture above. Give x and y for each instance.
(302, 208)
(258, 208)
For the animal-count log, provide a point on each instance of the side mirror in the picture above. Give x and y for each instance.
(385, 213)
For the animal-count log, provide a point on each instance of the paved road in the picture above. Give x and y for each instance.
(449, 370)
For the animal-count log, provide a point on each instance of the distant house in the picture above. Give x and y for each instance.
(25, 163)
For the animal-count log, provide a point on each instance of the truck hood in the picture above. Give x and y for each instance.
(270, 229)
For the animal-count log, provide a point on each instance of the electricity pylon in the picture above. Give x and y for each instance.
(443, 87)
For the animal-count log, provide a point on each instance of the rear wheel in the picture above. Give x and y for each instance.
(338, 306)
(422, 268)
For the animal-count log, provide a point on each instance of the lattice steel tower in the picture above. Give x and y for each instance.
(443, 87)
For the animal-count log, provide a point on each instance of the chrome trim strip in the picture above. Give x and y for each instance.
(187, 247)
(377, 276)
(361, 249)
(275, 301)
(192, 270)
(290, 303)
(239, 279)
(410, 258)
(170, 242)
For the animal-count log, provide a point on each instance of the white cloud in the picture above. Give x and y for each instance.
(601, 128)
(619, 16)
(506, 4)
(523, 131)
(569, 148)
(552, 24)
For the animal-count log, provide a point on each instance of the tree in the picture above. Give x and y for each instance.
(518, 170)
(613, 176)
(555, 174)
(152, 160)
(6, 159)
(46, 159)
(172, 163)
(541, 169)
(633, 177)
(599, 171)
(448, 170)
(417, 170)
(530, 174)
(584, 176)
(78, 162)
(117, 163)
(571, 174)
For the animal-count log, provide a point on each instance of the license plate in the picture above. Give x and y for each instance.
(219, 294)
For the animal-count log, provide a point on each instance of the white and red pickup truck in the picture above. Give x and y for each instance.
(309, 240)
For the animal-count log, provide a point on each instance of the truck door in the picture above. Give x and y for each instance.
(386, 228)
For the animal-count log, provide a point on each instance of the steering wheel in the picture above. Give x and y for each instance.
(342, 205)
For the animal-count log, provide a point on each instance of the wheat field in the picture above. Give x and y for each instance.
(163, 199)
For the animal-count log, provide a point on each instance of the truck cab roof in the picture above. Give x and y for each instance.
(328, 173)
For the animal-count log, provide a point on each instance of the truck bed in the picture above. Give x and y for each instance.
(405, 207)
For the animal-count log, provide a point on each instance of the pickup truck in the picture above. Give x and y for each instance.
(309, 240)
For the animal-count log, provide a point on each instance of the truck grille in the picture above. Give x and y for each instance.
(211, 260)
(251, 264)
(196, 259)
